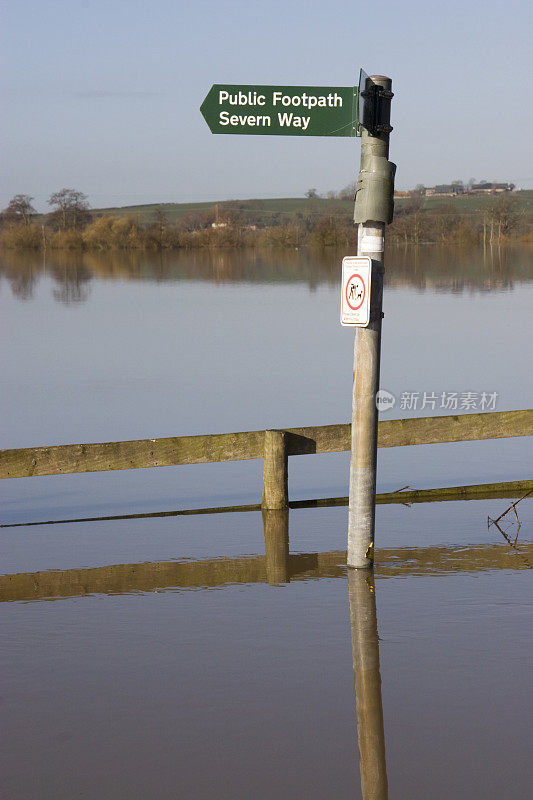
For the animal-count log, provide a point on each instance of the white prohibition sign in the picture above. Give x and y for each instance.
(355, 290)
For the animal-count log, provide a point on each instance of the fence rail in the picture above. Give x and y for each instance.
(483, 491)
(181, 450)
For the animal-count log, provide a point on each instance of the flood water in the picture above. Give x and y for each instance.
(213, 655)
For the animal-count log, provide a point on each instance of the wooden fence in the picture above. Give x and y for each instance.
(273, 446)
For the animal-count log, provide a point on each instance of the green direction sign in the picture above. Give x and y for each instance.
(282, 110)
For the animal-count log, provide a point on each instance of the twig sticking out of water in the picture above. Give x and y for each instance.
(511, 542)
(403, 489)
(512, 506)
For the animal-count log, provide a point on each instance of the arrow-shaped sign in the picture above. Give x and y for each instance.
(282, 110)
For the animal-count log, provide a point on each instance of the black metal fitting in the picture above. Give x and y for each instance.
(374, 111)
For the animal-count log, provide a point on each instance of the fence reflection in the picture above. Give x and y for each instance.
(177, 576)
(276, 532)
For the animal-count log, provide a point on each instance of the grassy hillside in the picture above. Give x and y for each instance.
(263, 210)
(275, 209)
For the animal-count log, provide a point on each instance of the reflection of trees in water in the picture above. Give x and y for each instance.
(69, 272)
(273, 265)
(22, 282)
(458, 269)
(73, 282)
(73, 289)
(22, 271)
(426, 267)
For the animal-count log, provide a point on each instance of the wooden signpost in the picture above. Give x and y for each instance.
(362, 110)
(374, 206)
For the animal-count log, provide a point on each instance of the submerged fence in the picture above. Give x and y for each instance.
(274, 446)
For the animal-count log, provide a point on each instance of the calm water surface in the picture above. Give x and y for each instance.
(214, 656)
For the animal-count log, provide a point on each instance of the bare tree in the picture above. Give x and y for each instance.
(409, 220)
(72, 209)
(502, 216)
(348, 193)
(19, 209)
(196, 220)
(444, 222)
(161, 220)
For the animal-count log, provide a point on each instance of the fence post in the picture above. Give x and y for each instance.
(275, 471)
(373, 210)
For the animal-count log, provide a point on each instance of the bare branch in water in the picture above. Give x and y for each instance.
(511, 542)
(512, 506)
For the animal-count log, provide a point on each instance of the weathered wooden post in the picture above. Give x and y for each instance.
(275, 471)
(373, 210)
(276, 531)
(369, 708)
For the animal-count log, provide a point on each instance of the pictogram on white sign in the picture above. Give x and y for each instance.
(355, 291)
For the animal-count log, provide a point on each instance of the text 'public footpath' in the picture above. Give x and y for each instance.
(275, 99)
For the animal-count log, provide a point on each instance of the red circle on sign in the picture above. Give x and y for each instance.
(355, 275)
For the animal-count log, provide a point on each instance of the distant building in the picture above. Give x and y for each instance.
(455, 189)
(445, 190)
(491, 188)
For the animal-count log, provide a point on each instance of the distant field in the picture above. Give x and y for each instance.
(264, 209)
(274, 209)
(475, 202)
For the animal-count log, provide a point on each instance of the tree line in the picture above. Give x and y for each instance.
(499, 220)
(72, 225)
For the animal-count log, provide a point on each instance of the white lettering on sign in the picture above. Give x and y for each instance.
(283, 102)
(241, 98)
(274, 99)
(355, 290)
(294, 120)
(331, 100)
(247, 119)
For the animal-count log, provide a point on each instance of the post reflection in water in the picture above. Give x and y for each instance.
(369, 708)
(276, 530)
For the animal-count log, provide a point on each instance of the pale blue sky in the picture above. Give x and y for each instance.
(104, 95)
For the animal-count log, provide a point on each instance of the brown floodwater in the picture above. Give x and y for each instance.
(203, 656)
